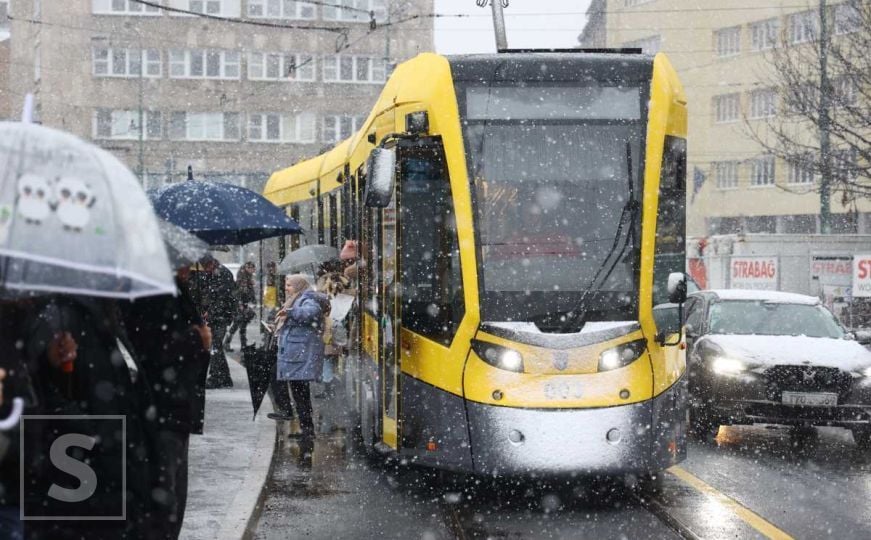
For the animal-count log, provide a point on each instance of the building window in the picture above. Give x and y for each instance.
(124, 124)
(355, 10)
(726, 174)
(760, 224)
(726, 108)
(276, 127)
(845, 91)
(798, 224)
(844, 165)
(763, 103)
(648, 45)
(802, 99)
(845, 223)
(728, 41)
(724, 225)
(363, 69)
(847, 18)
(280, 66)
(281, 9)
(215, 126)
(207, 7)
(108, 62)
(764, 34)
(203, 64)
(762, 171)
(122, 7)
(340, 127)
(803, 27)
(801, 170)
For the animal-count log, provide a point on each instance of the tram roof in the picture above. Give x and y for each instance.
(295, 182)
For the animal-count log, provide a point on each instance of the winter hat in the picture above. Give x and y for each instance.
(349, 250)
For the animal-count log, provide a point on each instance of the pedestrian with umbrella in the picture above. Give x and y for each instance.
(76, 236)
(224, 214)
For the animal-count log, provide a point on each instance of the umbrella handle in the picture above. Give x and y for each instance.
(12, 420)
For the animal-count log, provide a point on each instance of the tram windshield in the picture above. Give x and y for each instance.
(556, 191)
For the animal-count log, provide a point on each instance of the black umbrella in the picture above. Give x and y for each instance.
(221, 214)
(260, 365)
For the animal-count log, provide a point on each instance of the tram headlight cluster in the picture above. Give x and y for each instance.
(498, 356)
(621, 355)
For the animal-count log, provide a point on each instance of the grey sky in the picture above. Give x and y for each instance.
(530, 24)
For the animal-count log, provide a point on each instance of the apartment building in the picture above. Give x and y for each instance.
(164, 89)
(723, 54)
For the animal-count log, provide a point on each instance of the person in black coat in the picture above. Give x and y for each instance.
(246, 298)
(80, 362)
(213, 293)
(173, 343)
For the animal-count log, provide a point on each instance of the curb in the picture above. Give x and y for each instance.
(244, 512)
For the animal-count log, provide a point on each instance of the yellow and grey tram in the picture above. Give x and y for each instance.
(518, 216)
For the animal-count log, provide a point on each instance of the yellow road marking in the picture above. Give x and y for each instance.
(745, 514)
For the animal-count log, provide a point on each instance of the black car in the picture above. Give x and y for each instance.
(773, 358)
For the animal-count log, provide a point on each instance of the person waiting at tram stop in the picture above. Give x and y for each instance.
(299, 328)
(348, 256)
(245, 298)
(213, 292)
(331, 282)
(173, 343)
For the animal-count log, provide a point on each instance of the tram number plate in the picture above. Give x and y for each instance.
(562, 390)
(823, 399)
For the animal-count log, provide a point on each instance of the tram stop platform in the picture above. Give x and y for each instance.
(229, 463)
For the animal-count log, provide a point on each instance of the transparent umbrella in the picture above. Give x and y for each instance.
(307, 257)
(74, 219)
(183, 247)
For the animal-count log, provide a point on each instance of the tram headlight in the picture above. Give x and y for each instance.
(498, 356)
(621, 355)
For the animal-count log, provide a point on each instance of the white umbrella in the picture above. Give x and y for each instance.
(74, 220)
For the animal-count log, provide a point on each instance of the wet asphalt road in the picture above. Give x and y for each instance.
(751, 482)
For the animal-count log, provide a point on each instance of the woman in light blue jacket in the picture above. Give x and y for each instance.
(300, 327)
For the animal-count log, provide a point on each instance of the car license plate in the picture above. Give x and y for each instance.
(824, 399)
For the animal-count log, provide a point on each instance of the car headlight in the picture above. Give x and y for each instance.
(621, 355)
(498, 356)
(724, 365)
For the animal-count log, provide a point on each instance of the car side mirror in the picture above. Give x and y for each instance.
(379, 185)
(677, 288)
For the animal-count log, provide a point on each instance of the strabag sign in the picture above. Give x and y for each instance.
(759, 273)
(862, 276)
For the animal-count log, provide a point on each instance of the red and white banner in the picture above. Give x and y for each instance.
(760, 273)
(862, 276)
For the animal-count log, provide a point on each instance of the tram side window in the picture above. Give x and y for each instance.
(431, 280)
(670, 252)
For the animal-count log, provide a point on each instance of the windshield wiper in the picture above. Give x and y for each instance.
(627, 217)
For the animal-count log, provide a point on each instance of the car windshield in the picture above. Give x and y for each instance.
(772, 319)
